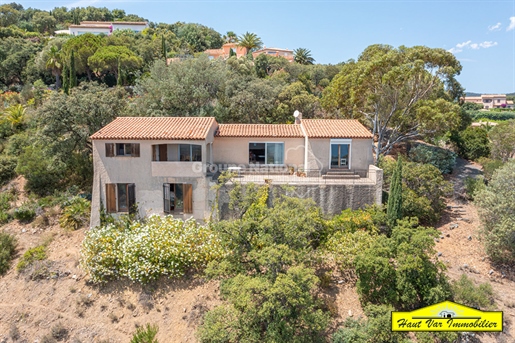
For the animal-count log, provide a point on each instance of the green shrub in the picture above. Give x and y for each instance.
(146, 334)
(261, 309)
(443, 159)
(345, 246)
(145, 251)
(7, 249)
(473, 143)
(25, 213)
(376, 328)
(423, 191)
(466, 293)
(5, 217)
(75, 213)
(489, 166)
(32, 255)
(400, 270)
(492, 115)
(7, 168)
(474, 185)
(495, 209)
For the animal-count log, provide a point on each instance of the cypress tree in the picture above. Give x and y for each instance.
(73, 73)
(394, 210)
(119, 79)
(163, 47)
(66, 79)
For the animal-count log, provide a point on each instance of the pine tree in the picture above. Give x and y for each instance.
(394, 210)
(163, 47)
(73, 74)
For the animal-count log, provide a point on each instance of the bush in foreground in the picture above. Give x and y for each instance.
(145, 251)
(7, 248)
(145, 334)
(496, 208)
(75, 213)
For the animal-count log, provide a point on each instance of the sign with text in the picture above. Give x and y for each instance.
(447, 316)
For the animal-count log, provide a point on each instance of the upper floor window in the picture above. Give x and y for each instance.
(177, 152)
(122, 149)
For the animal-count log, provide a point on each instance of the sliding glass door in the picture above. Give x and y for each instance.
(340, 156)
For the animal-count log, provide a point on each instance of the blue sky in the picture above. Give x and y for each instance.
(480, 33)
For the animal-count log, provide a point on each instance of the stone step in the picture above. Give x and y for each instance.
(263, 172)
(341, 172)
(341, 177)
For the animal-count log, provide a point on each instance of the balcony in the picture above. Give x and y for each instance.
(178, 169)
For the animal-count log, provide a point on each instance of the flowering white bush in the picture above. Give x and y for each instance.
(144, 252)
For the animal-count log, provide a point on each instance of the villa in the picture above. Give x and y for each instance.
(169, 164)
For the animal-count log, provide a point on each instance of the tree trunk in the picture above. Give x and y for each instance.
(57, 81)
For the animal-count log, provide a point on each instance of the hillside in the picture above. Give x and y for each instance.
(54, 296)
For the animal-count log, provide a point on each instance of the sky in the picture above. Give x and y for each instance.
(481, 34)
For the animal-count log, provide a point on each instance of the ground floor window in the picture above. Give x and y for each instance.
(120, 197)
(266, 153)
(178, 198)
(340, 155)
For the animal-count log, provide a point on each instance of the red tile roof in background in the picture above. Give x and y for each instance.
(335, 128)
(158, 128)
(259, 130)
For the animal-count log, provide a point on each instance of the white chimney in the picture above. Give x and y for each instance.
(298, 117)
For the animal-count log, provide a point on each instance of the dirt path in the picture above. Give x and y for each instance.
(461, 250)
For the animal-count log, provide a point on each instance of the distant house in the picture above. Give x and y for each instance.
(105, 27)
(277, 52)
(225, 51)
(169, 164)
(489, 101)
(238, 51)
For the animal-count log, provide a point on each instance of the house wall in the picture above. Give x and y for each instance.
(331, 198)
(76, 31)
(135, 28)
(319, 154)
(148, 177)
(235, 150)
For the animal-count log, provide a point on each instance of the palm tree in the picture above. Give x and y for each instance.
(303, 56)
(230, 37)
(250, 41)
(54, 63)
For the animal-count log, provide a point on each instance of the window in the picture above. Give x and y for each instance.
(340, 153)
(122, 149)
(266, 153)
(120, 197)
(177, 198)
(177, 152)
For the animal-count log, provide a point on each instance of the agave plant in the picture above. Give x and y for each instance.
(15, 115)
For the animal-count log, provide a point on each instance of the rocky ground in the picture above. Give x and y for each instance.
(53, 297)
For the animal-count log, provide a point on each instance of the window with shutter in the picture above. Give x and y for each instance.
(188, 198)
(131, 190)
(177, 197)
(166, 197)
(135, 149)
(109, 149)
(111, 197)
(163, 152)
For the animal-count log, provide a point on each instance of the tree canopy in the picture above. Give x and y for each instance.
(400, 93)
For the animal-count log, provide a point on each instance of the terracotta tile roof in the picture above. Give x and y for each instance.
(149, 128)
(115, 22)
(335, 128)
(91, 26)
(259, 130)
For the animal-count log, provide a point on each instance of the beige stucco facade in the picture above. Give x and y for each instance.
(149, 173)
(235, 150)
(319, 153)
